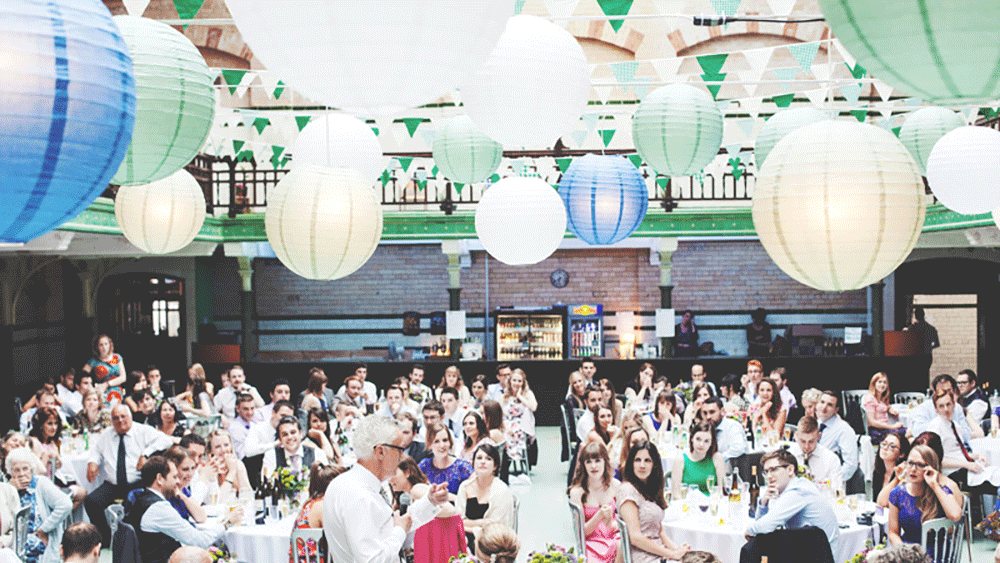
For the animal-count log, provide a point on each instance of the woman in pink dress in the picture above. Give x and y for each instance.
(438, 540)
(594, 489)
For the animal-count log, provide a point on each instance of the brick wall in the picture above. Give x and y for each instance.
(956, 325)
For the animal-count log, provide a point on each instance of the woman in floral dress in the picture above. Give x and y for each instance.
(108, 369)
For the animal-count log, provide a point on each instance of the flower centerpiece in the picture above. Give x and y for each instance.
(554, 554)
(862, 556)
(462, 558)
(291, 484)
(221, 554)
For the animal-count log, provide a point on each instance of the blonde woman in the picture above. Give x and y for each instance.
(453, 378)
(197, 400)
(519, 405)
(809, 399)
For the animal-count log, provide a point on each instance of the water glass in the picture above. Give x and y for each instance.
(713, 505)
(854, 501)
(272, 514)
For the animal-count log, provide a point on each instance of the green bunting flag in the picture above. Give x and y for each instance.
(405, 162)
(434, 171)
(735, 164)
(606, 135)
(188, 9)
(711, 65)
(636, 160)
(260, 124)
(563, 163)
(279, 90)
(615, 8)
(237, 145)
(895, 130)
(495, 178)
(411, 124)
(385, 177)
(458, 187)
(662, 183)
(276, 159)
(858, 71)
(784, 100)
(233, 78)
(302, 120)
(859, 114)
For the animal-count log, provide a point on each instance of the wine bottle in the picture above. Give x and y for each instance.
(754, 491)
(734, 492)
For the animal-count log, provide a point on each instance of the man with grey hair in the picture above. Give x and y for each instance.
(905, 553)
(358, 522)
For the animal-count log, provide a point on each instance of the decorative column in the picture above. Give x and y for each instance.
(667, 248)
(878, 330)
(451, 250)
(248, 327)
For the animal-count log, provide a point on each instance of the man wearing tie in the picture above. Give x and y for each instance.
(239, 428)
(453, 413)
(291, 453)
(958, 458)
(822, 464)
(120, 452)
(838, 437)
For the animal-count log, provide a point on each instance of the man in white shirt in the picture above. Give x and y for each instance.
(352, 393)
(44, 399)
(225, 399)
(368, 389)
(291, 454)
(823, 464)
(119, 453)
(453, 413)
(586, 422)
(393, 403)
(240, 427)
(778, 376)
(698, 375)
(755, 372)
(418, 391)
(925, 412)
(432, 413)
(729, 434)
(160, 528)
(72, 402)
(972, 398)
(838, 437)
(280, 391)
(958, 459)
(358, 523)
(263, 436)
(494, 391)
(790, 502)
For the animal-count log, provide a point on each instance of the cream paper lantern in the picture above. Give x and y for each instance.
(175, 101)
(520, 220)
(677, 129)
(372, 58)
(339, 140)
(924, 128)
(963, 168)
(163, 216)
(534, 87)
(781, 124)
(463, 153)
(839, 204)
(323, 223)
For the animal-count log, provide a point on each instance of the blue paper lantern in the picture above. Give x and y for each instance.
(605, 197)
(68, 109)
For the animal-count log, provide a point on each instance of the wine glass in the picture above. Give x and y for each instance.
(703, 503)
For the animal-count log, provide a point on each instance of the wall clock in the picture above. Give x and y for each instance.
(559, 278)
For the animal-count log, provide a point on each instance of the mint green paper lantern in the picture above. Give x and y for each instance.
(464, 153)
(677, 129)
(924, 128)
(781, 124)
(175, 101)
(941, 51)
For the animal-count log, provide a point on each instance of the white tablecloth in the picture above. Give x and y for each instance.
(703, 532)
(989, 448)
(261, 544)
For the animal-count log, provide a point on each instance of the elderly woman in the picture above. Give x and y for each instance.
(49, 506)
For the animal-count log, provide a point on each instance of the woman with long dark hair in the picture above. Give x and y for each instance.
(475, 432)
(594, 488)
(891, 454)
(664, 413)
(604, 425)
(639, 393)
(641, 505)
(45, 439)
(438, 540)
(197, 399)
(167, 419)
(770, 414)
(701, 463)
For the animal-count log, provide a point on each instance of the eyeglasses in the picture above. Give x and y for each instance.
(400, 449)
(915, 464)
(888, 446)
(772, 469)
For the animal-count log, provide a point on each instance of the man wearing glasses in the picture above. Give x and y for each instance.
(971, 397)
(790, 502)
(359, 524)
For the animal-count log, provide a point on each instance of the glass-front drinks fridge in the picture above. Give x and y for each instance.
(585, 330)
(530, 334)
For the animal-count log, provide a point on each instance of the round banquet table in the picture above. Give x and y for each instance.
(989, 448)
(267, 543)
(704, 532)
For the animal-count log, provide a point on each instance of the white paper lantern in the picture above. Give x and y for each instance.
(323, 223)
(338, 140)
(781, 124)
(520, 220)
(677, 129)
(924, 128)
(463, 153)
(163, 216)
(839, 204)
(534, 87)
(175, 101)
(963, 168)
(372, 58)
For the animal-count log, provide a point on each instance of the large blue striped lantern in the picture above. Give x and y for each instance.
(68, 106)
(605, 197)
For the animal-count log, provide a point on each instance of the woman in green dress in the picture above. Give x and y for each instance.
(701, 463)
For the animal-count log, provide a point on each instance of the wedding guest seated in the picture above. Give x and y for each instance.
(440, 539)
(81, 543)
(44, 398)
(838, 436)
(493, 417)
(925, 412)
(224, 476)
(474, 433)
(664, 412)
(639, 393)
(168, 423)
(46, 443)
(311, 514)
(878, 410)
(630, 437)
(409, 404)
(187, 507)
(790, 502)
(318, 434)
(701, 464)
(498, 543)
(413, 448)
(196, 447)
(699, 394)
(699, 375)
(641, 505)
(749, 380)
(610, 396)
(594, 489)
(48, 386)
(69, 399)
(958, 458)
(49, 506)
(605, 428)
(196, 400)
(351, 392)
(452, 379)
(239, 427)
(779, 377)
(810, 397)
(160, 530)
(577, 396)
(11, 440)
(483, 499)
(280, 391)
(93, 417)
(225, 399)
(419, 392)
(822, 464)
(921, 497)
(731, 439)
(454, 412)
(146, 408)
(729, 390)
(593, 397)
(971, 397)
(263, 436)
(315, 390)
(292, 453)
(393, 403)
(770, 415)
(889, 467)
(478, 389)
(442, 466)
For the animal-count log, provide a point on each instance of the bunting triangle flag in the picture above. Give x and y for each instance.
(712, 64)
(895, 131)
(607, 135)
(188, 9)
(563, 163)
(233, 78)
(590, 120)
(615, 8)
(561, 8)
(968, 113)
(135, 7)
(817, 97)
(411, 124)
(726, 7)
(603, 93)
(752, 106)
(758, 59)
(784, 100)
(636, 160)
(245, 83)
(302, 120)
(734, 148)
(859, 114)
(625, 71)
(713, 88)
(517, 166)
(804, 54)
(724, 106)
(276, 160)
(385, 177)
(260, 124)
(883, 89)
(781, 7)
(785, 74)
(821, 71)
(851, 92)
(639, 88)
(404, 162)
(746, 125)
(750, 79)
(428, 135)
(579, 136)
(279, 90)
(886, 110)
(667, 69)
(857, 71)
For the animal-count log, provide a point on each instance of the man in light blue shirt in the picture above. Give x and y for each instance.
(729, 434)
(791, 502)
(838, 437)
(924, 413)
(494, 391)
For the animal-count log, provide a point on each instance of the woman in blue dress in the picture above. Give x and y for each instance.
(443, 467)
(108, 370)
(921, 497)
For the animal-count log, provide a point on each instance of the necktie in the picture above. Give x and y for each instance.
(122, 472)
(296, 464)
(822, 427)
(451, 425)
(961, 444)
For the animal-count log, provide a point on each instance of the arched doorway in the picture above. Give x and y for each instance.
(144, 314)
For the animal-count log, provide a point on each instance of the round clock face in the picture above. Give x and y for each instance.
(559, 278)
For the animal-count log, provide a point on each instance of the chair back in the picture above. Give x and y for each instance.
(516, 515)
(852, 411)
(626, 543)
(126, 548)
(907, 396)
(577, 414)
(306, 541)
(114, 514)
(567, 439)
(21, 518)
(942, 539)
(18, 407)
(204, 425)
(576, 515)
